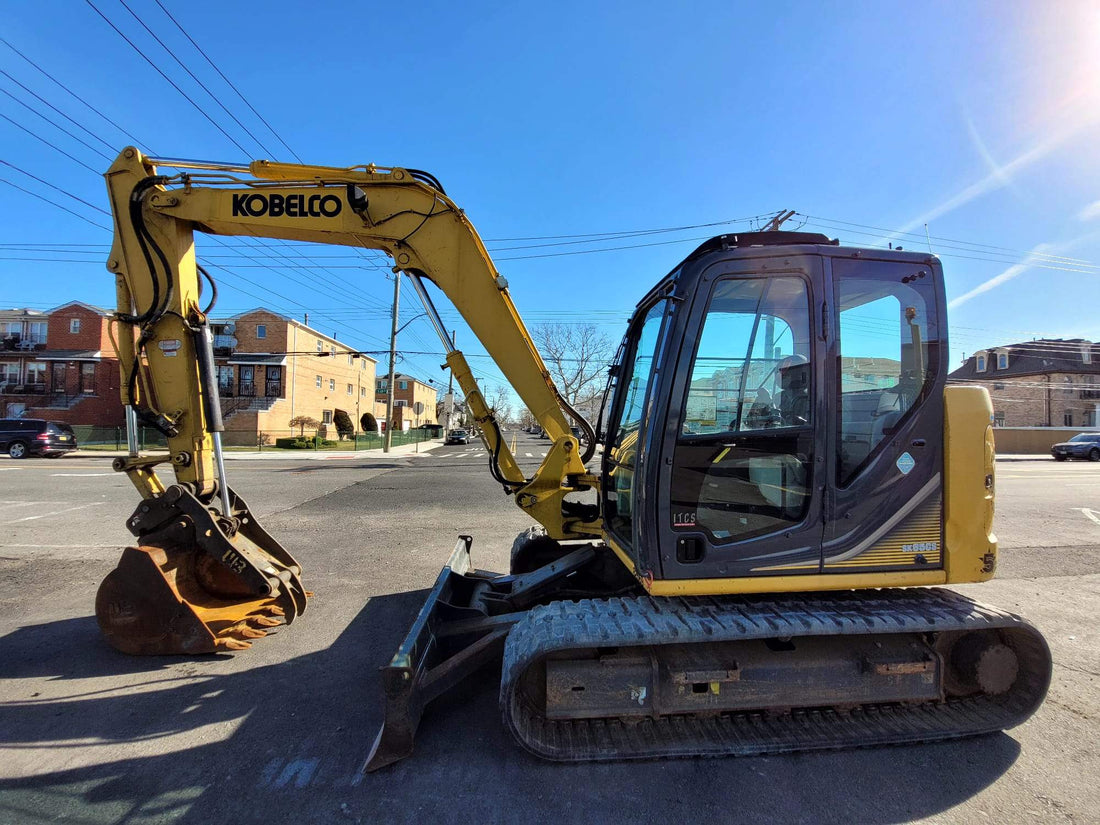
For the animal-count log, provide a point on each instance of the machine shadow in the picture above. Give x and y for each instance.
(223, 739)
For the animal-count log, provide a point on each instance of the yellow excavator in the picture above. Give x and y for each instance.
(748, 567)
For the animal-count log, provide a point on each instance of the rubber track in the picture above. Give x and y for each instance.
(626, 622)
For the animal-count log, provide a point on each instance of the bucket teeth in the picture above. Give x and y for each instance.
(154, 603)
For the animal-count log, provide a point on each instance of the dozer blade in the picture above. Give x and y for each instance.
(161, 602)
(448, 641)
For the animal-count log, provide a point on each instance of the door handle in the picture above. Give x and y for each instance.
(919, 442)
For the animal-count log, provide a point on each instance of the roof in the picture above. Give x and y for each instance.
(97, 310)
(12, 313)
(256, 358)
(1047, 355)
(292, 322)
(400, 376)
(54, 354)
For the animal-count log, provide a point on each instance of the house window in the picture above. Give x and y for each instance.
(363, 364)
(351, 389)
(36, 373)
(980, 362)
(402, 385)
(1002, 360)
(380, 386)
(326, 416)
(225, 380)
(350, 360)
(332, 385)
(319, 382)
(1090, 418)
(1086, 353)
(261, 330)
(1067, 419)
(362, 392)
(74, 325)
(320, 346)
(998, 419)
(400, 403)
(37, 332)
(332, 351)
(87, 378)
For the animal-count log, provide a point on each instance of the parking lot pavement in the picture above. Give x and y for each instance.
(277, 734)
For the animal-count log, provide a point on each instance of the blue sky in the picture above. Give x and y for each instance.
(979, 119)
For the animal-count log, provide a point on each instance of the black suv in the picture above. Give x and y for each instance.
(21, 437)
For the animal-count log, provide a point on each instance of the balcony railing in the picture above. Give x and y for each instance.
(23, 389)
(246, 389)
(1090, 394)
(273, 389)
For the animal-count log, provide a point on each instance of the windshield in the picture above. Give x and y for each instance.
(1086, 437)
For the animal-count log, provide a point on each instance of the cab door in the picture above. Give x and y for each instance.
(744, 467)
(886, 371)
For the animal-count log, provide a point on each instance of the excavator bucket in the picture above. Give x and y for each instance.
(195, 586)
(160, 602)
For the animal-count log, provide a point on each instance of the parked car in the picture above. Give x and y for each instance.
(22, 437)
(1085, 445)
(458, 437)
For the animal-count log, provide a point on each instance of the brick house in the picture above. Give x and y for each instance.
(1045, 383)
(272, 369)
(414, 401)
(59, 365)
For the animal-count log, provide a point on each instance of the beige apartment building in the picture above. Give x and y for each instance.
(272, 369)
(1045, 383)
(414, 401)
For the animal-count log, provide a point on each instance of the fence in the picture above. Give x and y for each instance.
(114, 438)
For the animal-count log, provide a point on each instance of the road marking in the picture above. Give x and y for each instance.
(56, 512)
(1092, 515)
(528, 455)
(80, 475)
(544, 455)
(22, 503)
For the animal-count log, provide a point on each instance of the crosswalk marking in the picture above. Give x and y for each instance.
(528, 455)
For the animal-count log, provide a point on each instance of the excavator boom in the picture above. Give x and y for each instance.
(220, 580)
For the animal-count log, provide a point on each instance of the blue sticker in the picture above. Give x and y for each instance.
(906, 463)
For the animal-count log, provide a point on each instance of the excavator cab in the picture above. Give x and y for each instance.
(778, 414)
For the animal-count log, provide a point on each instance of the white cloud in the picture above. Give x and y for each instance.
(1089, 212)
(1007, 275)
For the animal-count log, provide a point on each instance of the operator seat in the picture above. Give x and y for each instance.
(794, 395)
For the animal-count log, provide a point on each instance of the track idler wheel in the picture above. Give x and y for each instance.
(165, 602)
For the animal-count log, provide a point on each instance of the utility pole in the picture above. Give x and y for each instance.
(779, 220)
(393, 362)
(449, 407)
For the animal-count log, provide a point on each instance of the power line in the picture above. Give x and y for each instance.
(228, 81)
(52, 203)
(167, 78)
(194, 77)
(39, 137)
(58, 188)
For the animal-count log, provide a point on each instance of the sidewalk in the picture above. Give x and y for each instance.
(273, 454)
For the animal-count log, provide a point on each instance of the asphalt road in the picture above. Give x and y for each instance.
(277, 734)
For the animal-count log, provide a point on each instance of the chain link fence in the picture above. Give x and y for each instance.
(289, 441)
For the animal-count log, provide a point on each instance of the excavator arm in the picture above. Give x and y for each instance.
(227, 579)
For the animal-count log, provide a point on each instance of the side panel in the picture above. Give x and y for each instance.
(971, 547)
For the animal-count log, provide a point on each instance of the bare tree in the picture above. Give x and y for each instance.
(497, 399)
(577, 356)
